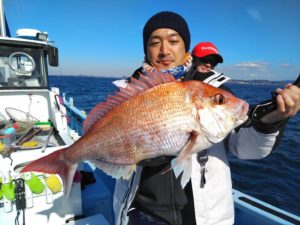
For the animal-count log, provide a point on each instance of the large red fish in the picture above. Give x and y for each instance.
(151, 117)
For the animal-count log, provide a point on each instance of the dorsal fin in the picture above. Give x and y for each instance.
(145, 82)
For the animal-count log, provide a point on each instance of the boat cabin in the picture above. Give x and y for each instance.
(23, 60)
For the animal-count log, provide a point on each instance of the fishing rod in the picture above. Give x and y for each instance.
(268, 106)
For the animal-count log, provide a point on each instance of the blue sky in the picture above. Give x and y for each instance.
(258, 39)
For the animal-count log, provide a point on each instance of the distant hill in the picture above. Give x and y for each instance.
(260, 82)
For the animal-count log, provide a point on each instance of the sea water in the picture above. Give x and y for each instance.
(274, 179)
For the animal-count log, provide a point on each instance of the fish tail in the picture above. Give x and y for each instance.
(55, 163)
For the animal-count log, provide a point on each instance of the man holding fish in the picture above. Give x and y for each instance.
(165, 141)
(152, 196)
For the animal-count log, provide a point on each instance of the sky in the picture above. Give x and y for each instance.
(258, 39)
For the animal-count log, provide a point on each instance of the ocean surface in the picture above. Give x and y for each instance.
(274, 179)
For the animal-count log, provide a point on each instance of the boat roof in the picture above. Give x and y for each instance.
(26, 42)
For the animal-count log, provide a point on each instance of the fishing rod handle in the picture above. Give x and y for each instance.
(268, 106)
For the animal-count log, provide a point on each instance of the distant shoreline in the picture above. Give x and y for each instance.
(233, 81)
(259, 82)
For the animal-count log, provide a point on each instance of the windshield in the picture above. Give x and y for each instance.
(22, 67)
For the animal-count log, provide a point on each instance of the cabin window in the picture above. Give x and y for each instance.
(22, 68)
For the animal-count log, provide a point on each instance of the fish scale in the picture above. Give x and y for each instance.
(145, 114)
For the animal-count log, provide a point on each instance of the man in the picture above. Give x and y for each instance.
(151, 197)
(206, 57)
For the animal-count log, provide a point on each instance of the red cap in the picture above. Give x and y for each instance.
(203, 49)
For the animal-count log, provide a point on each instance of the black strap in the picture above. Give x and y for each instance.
(202, 158)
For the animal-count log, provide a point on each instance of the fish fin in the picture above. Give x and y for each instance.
(97, 112)
(115, 170)
(146, 81)
(183, 166)
(54, 163)
(183, 163)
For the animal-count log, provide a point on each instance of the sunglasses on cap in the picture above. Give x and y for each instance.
(209, 59)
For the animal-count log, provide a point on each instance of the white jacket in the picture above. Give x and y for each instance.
(213, 204)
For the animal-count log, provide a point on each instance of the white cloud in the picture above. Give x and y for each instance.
(250, 65)
(259, 70)
(255, 14)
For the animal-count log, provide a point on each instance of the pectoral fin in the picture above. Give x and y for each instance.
(183, 163)
(183, 166)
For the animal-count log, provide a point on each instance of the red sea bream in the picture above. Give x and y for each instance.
(151, 117)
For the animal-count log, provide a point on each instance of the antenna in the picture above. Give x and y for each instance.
(2, 20)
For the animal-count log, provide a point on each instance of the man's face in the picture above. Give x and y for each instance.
(165, 49)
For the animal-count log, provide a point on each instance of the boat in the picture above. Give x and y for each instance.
(35, 120)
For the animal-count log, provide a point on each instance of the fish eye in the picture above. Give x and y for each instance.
(219, 99)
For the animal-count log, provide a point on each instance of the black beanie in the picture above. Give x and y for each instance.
(167, 20)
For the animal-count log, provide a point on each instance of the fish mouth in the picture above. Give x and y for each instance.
(242, 112)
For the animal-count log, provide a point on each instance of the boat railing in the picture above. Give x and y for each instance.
(250, 210)
(75, 116)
